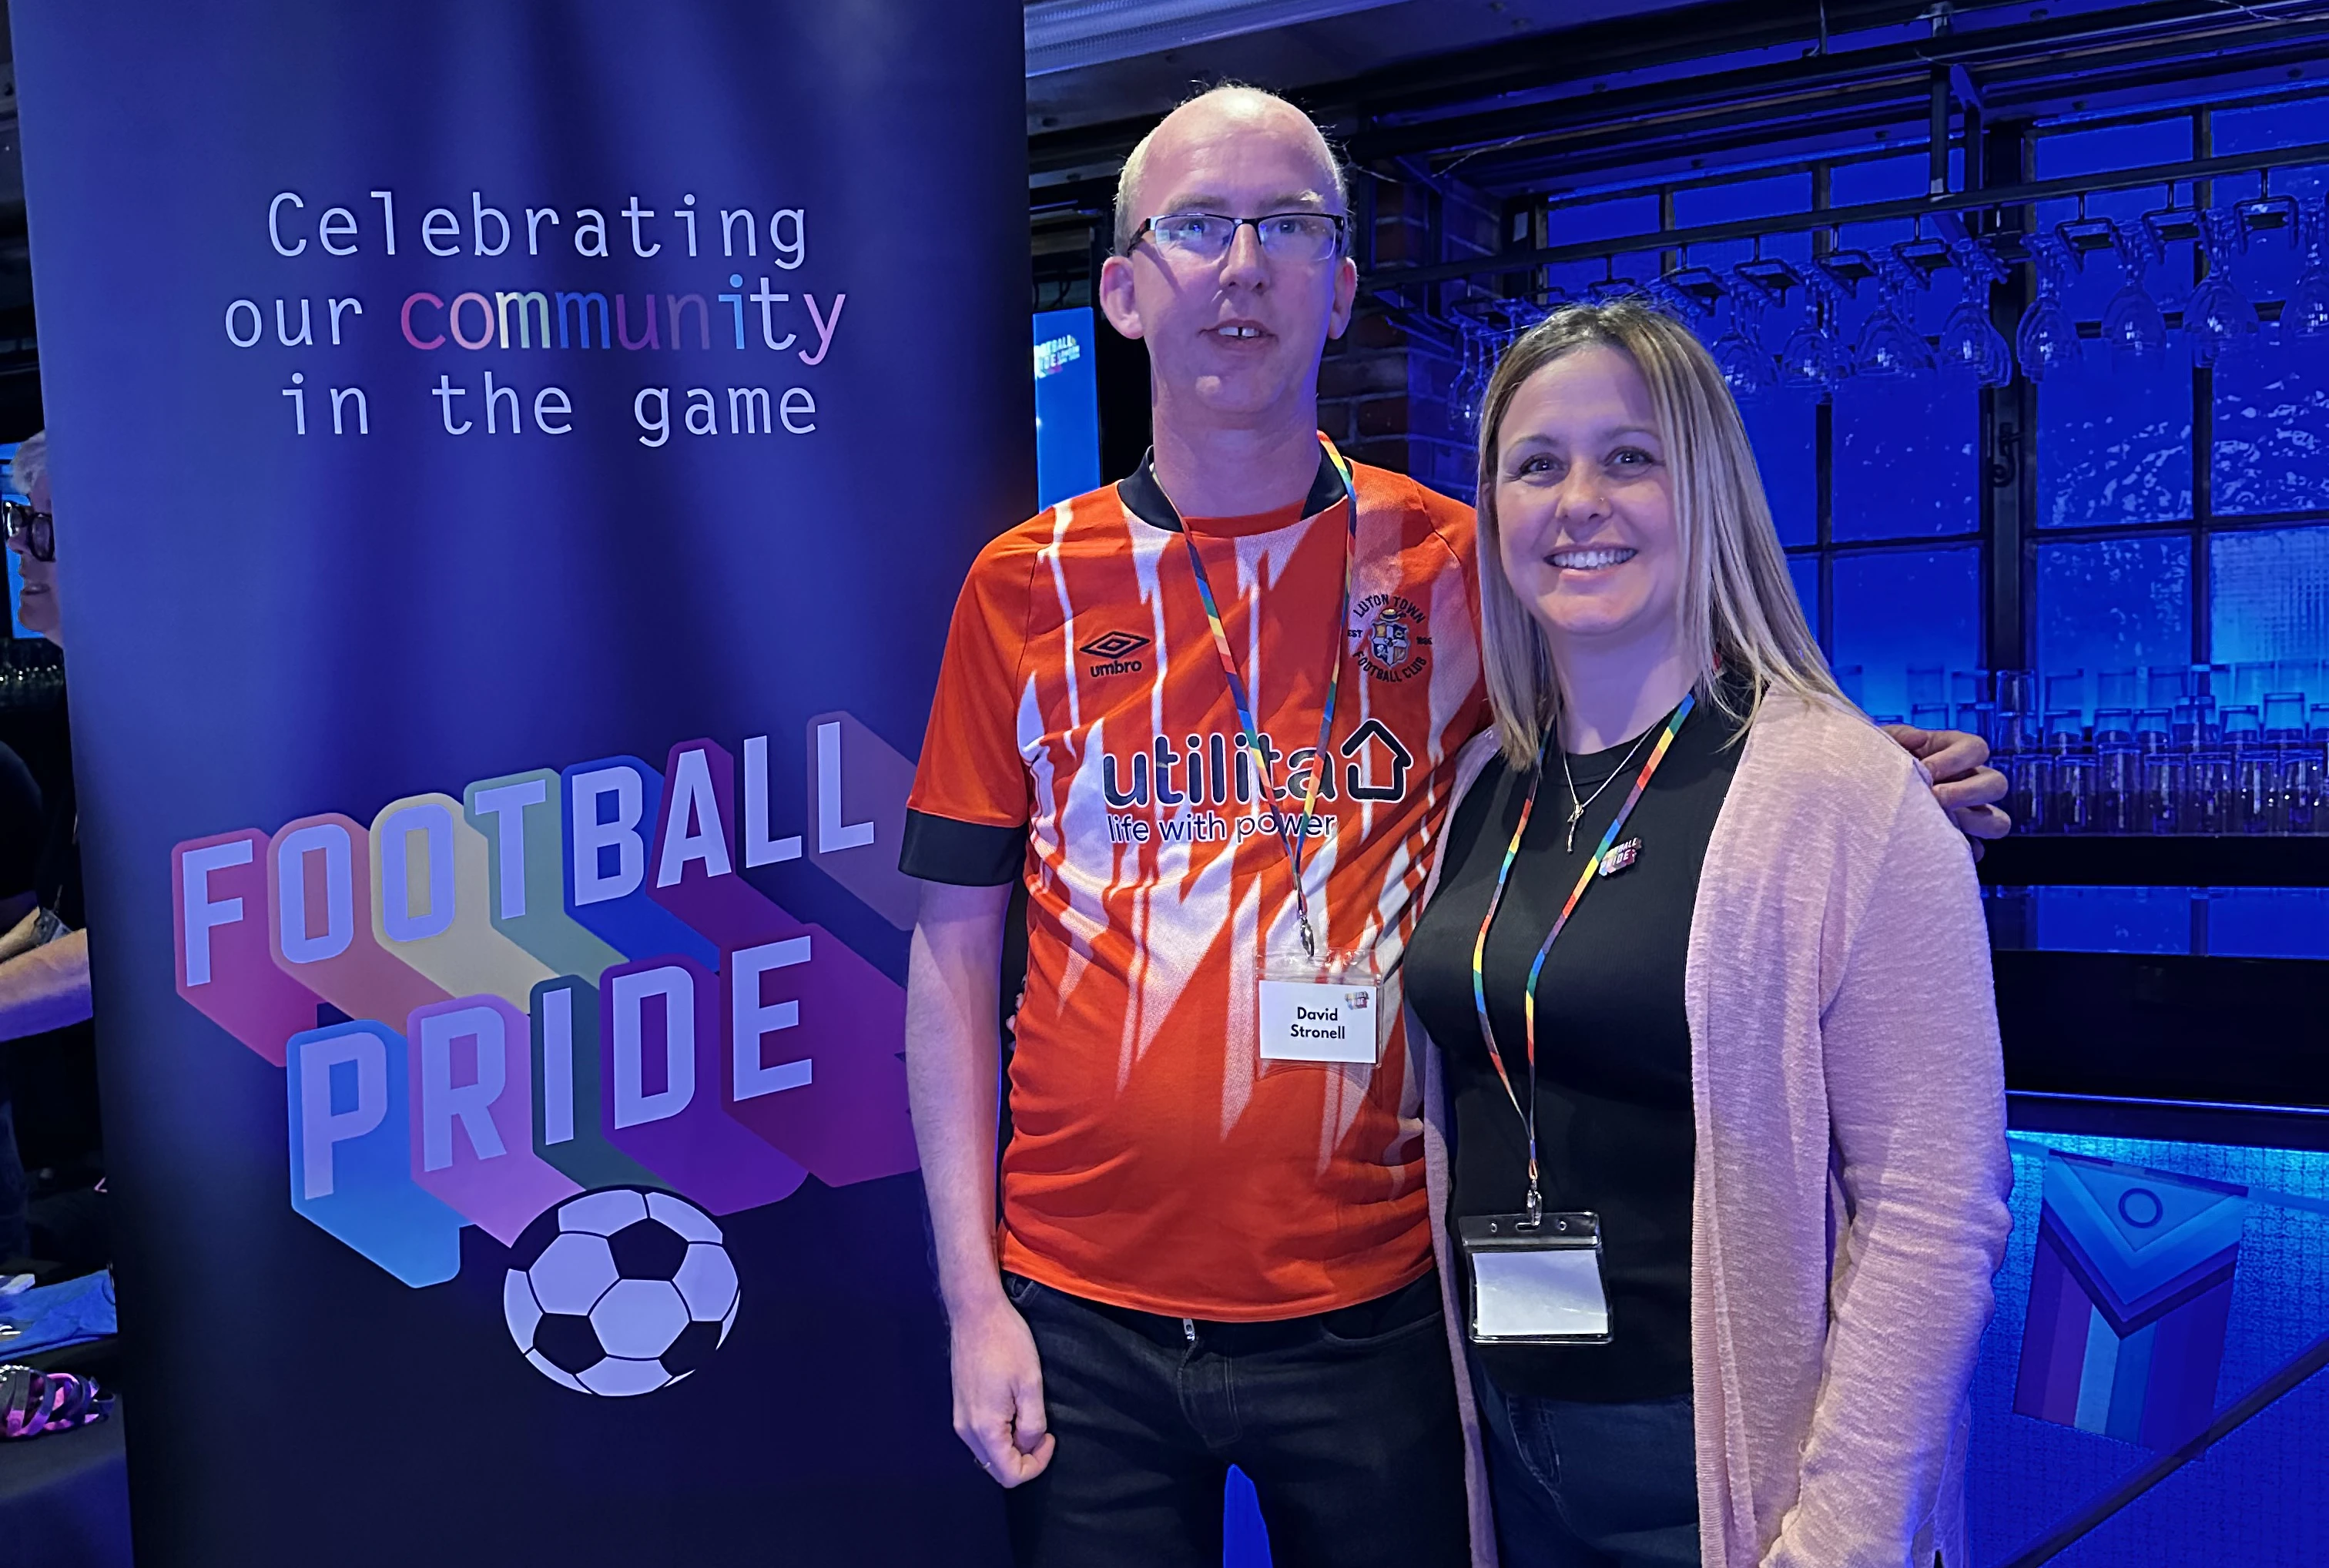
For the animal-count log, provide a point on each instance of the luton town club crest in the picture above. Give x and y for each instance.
(1392, 637)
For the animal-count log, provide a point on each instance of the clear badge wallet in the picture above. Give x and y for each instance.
(1534, 1281)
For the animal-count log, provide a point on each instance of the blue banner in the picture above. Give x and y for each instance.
(513, 464)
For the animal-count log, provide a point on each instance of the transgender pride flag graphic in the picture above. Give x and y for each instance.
(2129, 1300)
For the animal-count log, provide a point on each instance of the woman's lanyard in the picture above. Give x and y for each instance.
(1496, 901)
(1265, 786)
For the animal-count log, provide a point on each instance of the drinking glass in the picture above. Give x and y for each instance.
(1978, 719)
(2165, 686)
(2118, 689)
(2030, 788)
(2317, 723)
(2283, 716)
(2302, 768)
(2307, 314)
(2218, 318)
(2047, 340)
(2154, 729)
(2163, 791)
(1889, 344)
(1928, 683)
(2185, 726)
(2257, 804)
(2210, 791)
(2133, 327)
(2113, 726)
(1971, 687)
(2066, 730)
(2118, 790)
(2242, 726)
(1812, 360)
(1970, 343)
(2067, 689)
(1743, 361)
(1929, 715)
(2073, 802)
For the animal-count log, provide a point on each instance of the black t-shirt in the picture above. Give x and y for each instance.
(1613, 1113)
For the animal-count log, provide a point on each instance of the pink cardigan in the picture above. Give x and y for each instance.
(1852, 1169)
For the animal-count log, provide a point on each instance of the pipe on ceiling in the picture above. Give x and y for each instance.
(1069, 34)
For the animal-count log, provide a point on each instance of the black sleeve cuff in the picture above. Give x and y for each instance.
(965, 854)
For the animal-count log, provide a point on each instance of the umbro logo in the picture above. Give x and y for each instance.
(1112, 649)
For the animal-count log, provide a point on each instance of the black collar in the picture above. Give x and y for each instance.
(1145, 498)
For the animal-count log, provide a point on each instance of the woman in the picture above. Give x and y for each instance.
(1765, 1050)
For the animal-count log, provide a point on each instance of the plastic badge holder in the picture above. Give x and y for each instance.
(1535, 1283)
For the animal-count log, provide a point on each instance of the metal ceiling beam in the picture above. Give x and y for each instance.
(1997, 197)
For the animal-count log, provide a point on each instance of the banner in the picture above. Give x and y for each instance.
(2129, 1300)
(513, 465)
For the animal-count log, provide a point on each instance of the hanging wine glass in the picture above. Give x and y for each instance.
(2047, 340)
(1970, 343)
(2218, 318)
(2135, 329)
(1744, 364)
(2307, 314)
(1888, 346)
(1812, 359)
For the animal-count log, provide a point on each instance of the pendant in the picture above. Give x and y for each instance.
(1575, 812)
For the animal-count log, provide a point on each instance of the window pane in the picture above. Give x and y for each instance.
(2272, 430)
(1903, 610)
(1779, 425)
(2269, 595)
(2112, 605)
(2115, 446)
(1804, 569)
(1905, 458)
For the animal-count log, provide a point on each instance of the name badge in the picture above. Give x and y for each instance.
(1330, 1011)
(1535, 1282)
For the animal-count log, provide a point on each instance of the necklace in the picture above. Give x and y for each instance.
(1577, 807)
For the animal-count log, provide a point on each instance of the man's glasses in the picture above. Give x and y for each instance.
(38, 530)
(1308, 238)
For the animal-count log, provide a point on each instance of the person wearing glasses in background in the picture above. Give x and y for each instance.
(1209, 716)
(1708, 967)
(44, 957)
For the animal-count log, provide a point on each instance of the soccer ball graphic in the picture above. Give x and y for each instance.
(619, 1292)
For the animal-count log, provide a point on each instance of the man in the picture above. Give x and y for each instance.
(44, 963)
(1207, 1254)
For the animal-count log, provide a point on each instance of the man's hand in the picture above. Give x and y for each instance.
(1967, 788)
(998, 1393)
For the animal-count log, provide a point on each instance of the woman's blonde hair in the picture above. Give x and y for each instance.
(1738, 607)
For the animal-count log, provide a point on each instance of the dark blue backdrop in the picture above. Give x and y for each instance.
(265, 626)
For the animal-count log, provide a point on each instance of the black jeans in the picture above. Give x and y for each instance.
(1345, 1421)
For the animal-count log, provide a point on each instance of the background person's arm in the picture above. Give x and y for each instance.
(1967, 788)
(1916, 1097)
(45, 989)
(953, 1068)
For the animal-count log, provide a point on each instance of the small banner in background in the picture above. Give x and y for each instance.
(2129, 1300)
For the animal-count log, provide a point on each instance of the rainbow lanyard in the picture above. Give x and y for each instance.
(1585, 878)
(1251, 732)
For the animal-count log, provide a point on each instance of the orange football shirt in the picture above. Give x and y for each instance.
(1084, 738)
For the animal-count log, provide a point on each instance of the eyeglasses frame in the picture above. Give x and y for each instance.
(38, 530)
(1341, 221)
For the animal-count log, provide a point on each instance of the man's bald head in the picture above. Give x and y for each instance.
(1226, 110)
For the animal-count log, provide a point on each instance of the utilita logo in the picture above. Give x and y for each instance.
(554, 1008)
(1110, 649)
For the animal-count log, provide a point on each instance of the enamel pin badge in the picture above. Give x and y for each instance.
(1621, 856)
